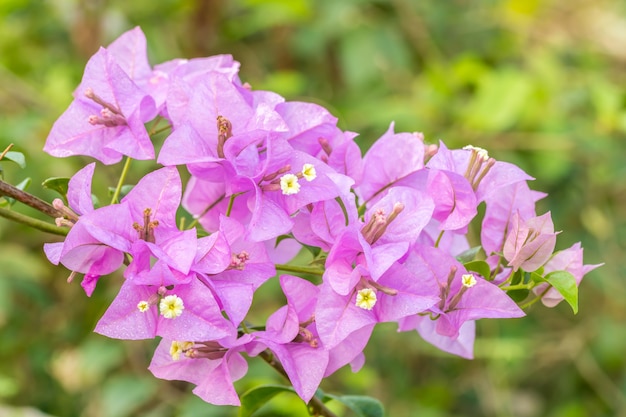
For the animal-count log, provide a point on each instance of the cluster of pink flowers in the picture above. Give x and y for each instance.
(267, 178)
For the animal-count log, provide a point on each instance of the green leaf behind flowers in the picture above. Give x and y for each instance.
(257, 397)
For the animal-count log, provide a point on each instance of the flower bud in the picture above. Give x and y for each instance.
(530, 243)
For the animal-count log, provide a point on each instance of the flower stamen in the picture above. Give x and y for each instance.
(224, 132)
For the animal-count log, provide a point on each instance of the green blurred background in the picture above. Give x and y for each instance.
(541, 83)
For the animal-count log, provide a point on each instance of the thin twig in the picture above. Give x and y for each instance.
(4, 152)
(34, 223)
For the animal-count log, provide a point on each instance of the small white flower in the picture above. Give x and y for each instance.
(308, 172)
(171, 306)
(468, 280)
(366, 298)
(143, 306)
(289, 184)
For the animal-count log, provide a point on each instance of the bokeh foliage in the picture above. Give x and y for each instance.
(541, 83)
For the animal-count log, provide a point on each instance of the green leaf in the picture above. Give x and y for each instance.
(518, 295)
(480, 267)
(362, 405)
(517, 277)
(17, 157)
(58, 184)
(537, 277)
(468, 255)
(255, 398)
(565, 284)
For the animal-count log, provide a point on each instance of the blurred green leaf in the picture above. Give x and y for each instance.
(17, 157)
(363, 406)
(469, 255)
(8, 387)
(500, 99)
(257, 397)
(123, 395)
(99, 356)
(58, 184)
(607, 101)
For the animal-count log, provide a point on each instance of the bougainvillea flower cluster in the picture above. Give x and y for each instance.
(266, 178)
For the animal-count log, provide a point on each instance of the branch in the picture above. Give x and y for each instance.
(8, 190)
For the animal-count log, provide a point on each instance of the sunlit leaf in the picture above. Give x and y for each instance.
(565, 284)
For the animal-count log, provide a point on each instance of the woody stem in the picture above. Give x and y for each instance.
(8, 190)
